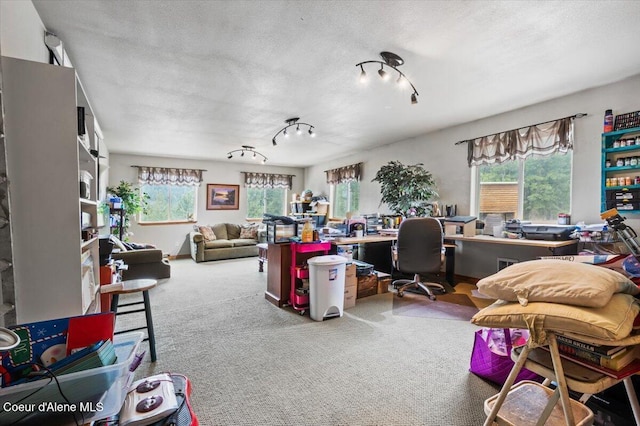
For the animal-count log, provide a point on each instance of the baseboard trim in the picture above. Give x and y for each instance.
(180, 256)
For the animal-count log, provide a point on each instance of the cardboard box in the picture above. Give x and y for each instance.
(367, 285)
(350, 296)
(384, 281)
(350, 278)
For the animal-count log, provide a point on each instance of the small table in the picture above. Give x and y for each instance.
(262, 255)
(135, 286)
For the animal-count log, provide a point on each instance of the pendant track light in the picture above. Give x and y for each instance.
(248, 149)
(393, 61)
(293, 122)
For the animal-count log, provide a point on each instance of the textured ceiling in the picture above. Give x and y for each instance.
(196, 79)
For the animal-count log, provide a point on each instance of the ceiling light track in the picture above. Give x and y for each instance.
(291, 122)
(250, 151)
(392, 61)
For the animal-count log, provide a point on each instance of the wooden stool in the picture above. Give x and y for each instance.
(135, 286)
(262, 255)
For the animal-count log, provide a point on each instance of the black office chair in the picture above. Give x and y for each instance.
(418, 251)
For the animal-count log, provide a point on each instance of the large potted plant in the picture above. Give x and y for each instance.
(406, 189)
(134, 201)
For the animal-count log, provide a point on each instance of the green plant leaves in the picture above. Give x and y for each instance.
(406, 188)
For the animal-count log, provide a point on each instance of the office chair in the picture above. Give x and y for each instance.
(419, 252)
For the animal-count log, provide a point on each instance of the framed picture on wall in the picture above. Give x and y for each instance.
(221, 196)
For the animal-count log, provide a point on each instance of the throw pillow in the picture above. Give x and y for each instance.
(207, 233)
(556, 281)
(249, 231)
(611, 322)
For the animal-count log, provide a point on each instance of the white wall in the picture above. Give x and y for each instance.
(22, 31)
(447, 162)
(172, 238)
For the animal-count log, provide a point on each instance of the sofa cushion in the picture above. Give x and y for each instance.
(218, 243)
(239, 242)
(233, 231)
(249, 231)
(207, 233)
(220, 229)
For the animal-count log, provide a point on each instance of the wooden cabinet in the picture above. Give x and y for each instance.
(620, 187)
(52, 193)
(278, 276)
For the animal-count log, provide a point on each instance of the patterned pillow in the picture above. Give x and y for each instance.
(249, 231)
(207, 233)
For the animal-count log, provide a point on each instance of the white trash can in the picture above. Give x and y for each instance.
(326, 286)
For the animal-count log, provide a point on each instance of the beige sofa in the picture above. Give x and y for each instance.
(226, 244)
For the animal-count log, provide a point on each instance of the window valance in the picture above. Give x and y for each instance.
(540, 139)
(169, 176)
(344, 174)
(267, 180)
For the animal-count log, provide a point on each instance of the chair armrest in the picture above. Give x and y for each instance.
(196, 246)
(139, 256)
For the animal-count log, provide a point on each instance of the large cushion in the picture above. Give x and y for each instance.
(220, 229)
(233, 231)
(249, 231)
(611, 322)
(207, 233)
(239, 242)
(218, 243)
(557, 281)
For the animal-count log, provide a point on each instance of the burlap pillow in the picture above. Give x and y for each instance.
(611, 322)
(556, 281)
(249, 231)
(207, 233)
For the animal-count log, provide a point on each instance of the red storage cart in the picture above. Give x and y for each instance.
(299, 296)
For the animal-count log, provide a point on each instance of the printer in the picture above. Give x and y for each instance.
(547, 232)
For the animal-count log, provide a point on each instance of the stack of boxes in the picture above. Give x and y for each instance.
(350, 286)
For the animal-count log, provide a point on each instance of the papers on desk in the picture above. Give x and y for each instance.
(389, 232)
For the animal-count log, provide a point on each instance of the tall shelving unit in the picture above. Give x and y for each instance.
(625, 197)
(54, 230)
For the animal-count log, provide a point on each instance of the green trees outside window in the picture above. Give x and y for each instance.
(169, 203)
(266, 200)
(544, 185)
(346, 198)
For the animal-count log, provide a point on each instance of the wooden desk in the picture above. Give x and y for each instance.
(480, 255)
(369, 239)
(553, 246)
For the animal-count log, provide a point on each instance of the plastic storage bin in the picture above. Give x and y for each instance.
(92, 394)
(525, 403)
(326, 286)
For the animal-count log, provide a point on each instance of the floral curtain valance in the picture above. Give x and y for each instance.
(169, 176)
(267, 180)
(344, 174)
(541, 139)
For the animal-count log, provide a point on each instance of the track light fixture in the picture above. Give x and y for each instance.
(293, 122)
(248, 149)
(393, 61)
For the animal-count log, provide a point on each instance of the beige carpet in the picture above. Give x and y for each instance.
(252, 363)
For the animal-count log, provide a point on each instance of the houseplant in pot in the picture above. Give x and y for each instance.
(134, 201)
(406, 189)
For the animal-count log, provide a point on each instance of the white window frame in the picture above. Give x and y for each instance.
(475, 187)
(264, 201)
(332, 195)
(194, 216)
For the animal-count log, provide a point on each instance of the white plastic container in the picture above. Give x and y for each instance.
(326, 286)
(85, 184)
(96, 394)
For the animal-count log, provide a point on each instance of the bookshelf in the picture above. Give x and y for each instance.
(50, 134)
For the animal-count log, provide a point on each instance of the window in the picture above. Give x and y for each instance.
(266, 200)
(169, 203)
(536, 188)
(346, 197)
